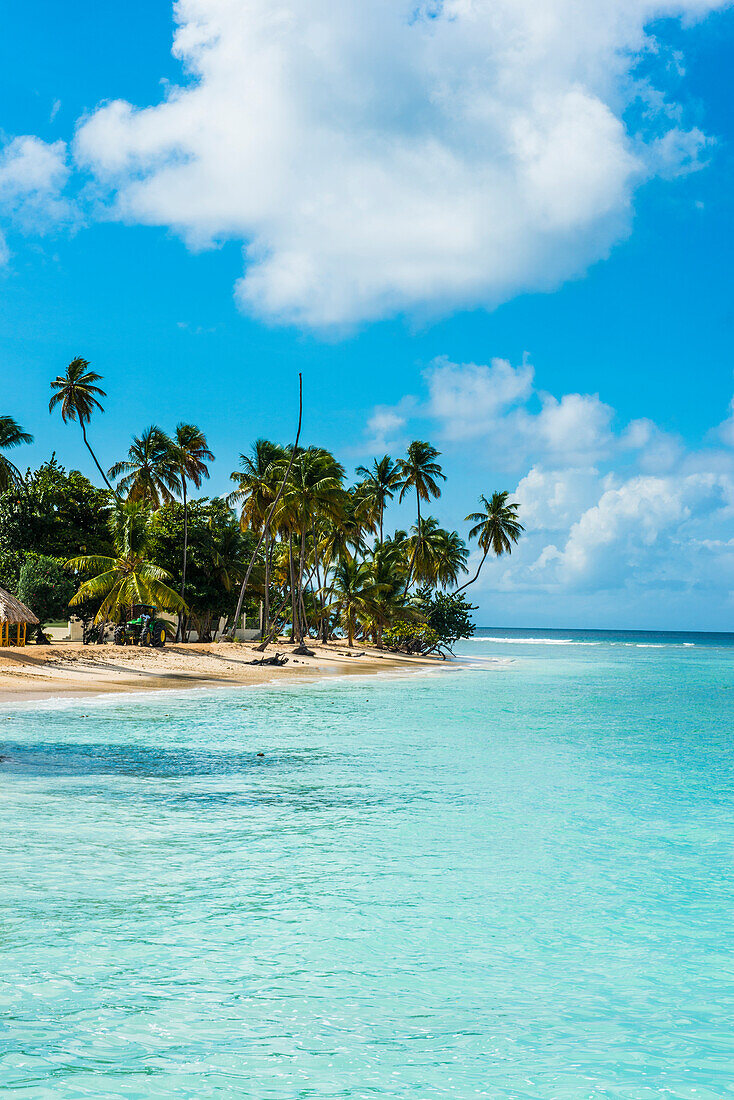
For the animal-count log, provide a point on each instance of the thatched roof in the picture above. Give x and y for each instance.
(13, 611)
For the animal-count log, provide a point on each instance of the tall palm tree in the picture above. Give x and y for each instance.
(496, 528)
(314, 490)
(354, 591)
(420, 471)
(190, 453)
(77, 392)
(380, 483)
(130, 576)
(150, 472)
(11, 435)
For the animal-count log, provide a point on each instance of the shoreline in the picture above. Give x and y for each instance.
(72, 670)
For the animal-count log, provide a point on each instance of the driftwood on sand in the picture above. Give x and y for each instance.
(277, 659)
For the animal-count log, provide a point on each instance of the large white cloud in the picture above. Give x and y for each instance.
(397, 155)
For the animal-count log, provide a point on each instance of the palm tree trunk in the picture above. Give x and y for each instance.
(273, 506)
(301, 604)
(458, 590)
(86, 441)
(181, 616)
(294, 594)
(268, 555)
(350, 627)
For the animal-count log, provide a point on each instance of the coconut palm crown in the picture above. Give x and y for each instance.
(130, 576)
(77, 393)
(11, 435)
(496, 528)
(150, 472)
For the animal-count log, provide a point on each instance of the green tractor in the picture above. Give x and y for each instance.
(142, 627)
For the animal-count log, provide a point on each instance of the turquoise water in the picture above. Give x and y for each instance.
(508, 881)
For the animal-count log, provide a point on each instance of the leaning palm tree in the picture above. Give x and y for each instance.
(190, 454)
(420, 471)
(11, 435)
(77, 392)
(150, 472)
(496, 528)
(379, 485)
(130, 576)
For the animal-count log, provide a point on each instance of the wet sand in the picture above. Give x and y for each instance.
(72, 669)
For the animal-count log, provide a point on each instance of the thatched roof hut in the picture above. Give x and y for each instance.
(14, 612)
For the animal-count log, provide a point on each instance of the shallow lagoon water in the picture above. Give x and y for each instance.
(509, 880)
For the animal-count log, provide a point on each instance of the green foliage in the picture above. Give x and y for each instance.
(411, 637)
(54, 514)
(218, 551)
(448, 614)
(46, 588)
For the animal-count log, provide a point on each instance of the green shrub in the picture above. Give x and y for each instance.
(46, 588)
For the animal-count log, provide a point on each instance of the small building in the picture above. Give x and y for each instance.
(15, 619)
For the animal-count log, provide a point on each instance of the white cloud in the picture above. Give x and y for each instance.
(468, 398)
(620, 509)
(395, 156)
(33, 174)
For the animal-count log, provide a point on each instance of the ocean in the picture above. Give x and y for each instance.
(510, 879)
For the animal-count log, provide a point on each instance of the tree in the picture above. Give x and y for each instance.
(419, 471)
(354, 592)
(56, 513)
(257, 481)
(77, 392)
(218, 551)
(191, 453)
(448, 614)
(438, 556)
(379, 485)
(11, 435)
(130, 576)
(496, 528)
(150, 472)
(45, 587)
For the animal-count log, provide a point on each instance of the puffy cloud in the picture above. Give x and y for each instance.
(499, 404)
(468, 398)
(33, 174)
(623, 510)
(394, 156)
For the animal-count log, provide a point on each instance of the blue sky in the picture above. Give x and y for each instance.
(546, 298)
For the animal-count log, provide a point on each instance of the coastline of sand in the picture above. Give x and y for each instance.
(68, 669)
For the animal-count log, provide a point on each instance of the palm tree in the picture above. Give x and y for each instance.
(439, 556)
(420, 471)
(354, 592)
(380, 483)
(496, 528)
(129, 577)
(257, 489)
(77, 392)
(190, 453)
(151, 470)
(11, 435)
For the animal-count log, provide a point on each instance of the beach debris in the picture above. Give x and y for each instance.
(278, 659)
(303, 651)
(261, 754)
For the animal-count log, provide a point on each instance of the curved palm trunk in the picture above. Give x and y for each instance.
(86, 441)
(458, 590)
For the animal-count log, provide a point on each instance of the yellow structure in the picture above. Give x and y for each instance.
(15, 618)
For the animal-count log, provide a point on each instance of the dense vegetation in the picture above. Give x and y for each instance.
(294, 545)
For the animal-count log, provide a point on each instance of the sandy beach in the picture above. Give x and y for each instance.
(73, 669)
